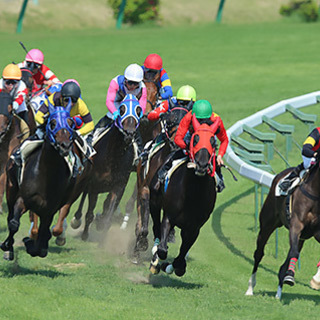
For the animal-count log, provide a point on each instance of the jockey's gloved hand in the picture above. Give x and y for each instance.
(313, 161)
(115, 115)
(15, 106)
(163, 116)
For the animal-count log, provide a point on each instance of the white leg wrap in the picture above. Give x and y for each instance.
(252, 284)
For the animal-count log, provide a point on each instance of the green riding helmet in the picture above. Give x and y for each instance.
(186, 93)
(202, 109)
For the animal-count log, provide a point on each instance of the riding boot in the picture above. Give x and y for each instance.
(24, 115)
(220, 181)
(16, 157)
(286, 183)
(102, 123)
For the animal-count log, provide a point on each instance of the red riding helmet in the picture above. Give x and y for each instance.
(153, 61)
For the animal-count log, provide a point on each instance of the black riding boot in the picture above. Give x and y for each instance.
(24, 115)
(102, 123)
(286, 183)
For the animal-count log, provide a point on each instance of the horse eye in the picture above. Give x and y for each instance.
(122, 110)
(139, 111)
(53, 124)
(196, 139)
(213, 142)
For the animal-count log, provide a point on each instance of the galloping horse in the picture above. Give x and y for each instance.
(187, 200)
(301, 216)
(11, 135)
(112, 166)
(146, 172)
(149, 130)
(44, 185)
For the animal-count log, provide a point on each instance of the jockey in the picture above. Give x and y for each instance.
(309, 151)
(153, 69)
(202, 110)
(70, 91)
(131, 82)
(186, 95)
(43, 77)
(11, 82)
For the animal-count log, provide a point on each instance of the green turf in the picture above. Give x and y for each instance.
(241, 70)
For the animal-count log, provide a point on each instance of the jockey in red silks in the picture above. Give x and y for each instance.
(11, 82)
(201, 112)
(153, 68)
(42, 75)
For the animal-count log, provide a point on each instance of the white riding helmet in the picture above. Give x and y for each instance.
(134, 72)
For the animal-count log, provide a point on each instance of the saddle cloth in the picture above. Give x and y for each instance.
(175, 165)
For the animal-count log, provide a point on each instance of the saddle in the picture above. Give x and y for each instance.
(295, 183)
(175, 165)
(24, 128)
(154, 147)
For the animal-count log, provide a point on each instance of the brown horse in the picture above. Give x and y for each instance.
(301, 217)
(149, 130)
(163, 147)
(12, 133)
(45, 184)
(111, 166)
(187, 200)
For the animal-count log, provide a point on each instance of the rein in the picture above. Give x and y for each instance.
(302, 188)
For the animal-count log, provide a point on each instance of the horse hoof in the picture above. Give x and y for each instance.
(162, 254)
(75, 223)
(61, 241)
(179, 272)
(4, 247)
(154, 269)
(167, 268)
(43, 253)
(314, 284)
(29, 244)
(8, 255)
(289, 280)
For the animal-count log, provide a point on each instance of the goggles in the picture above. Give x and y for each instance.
(10, 81)
(132, 83)
(33, 65)
(73, 99)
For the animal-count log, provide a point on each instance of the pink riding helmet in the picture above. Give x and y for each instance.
(35, 55)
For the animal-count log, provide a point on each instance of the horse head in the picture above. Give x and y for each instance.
(202, 147)
(27, 79)
(152, 93)
(60, 128)
(6, 114)
(173, 118)
(129, 119)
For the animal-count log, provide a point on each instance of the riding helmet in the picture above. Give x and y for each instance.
(71, 89)
(202, 109)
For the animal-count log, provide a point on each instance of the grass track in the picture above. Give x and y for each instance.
(241, 70)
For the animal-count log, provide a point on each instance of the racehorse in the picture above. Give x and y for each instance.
(44, 185)
(300, 214)
(146, 172)
(187, 199)
(11, 135)
(112, 166)
(149, 130)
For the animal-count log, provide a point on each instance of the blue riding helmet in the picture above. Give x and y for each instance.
(61, 115)
(132, 108)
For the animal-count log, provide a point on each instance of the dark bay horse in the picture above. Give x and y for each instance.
(149, 130)
(45, 184)
(302, 218)
(112, 166)
(147, 171)
(187, 200)
(12, 133)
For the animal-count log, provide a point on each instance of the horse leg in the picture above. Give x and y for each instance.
(129, 207)
(2, 187)
(39, 247)
(13, 220)
(163, 247)
(33, 231)
(93, 197)
(143, 220)
(59, 230)
(179, 265)
(287, 270)
(269, 221)
(76, 220)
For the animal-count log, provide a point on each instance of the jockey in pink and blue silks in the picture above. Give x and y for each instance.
(131, 82)
(153, 69)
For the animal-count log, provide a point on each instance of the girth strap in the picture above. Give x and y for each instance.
(307, 194)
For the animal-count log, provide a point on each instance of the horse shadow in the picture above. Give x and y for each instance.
(287, 298)
(161, 281)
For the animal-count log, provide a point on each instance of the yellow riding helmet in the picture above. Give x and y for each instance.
(12, 71)
(186, 93)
